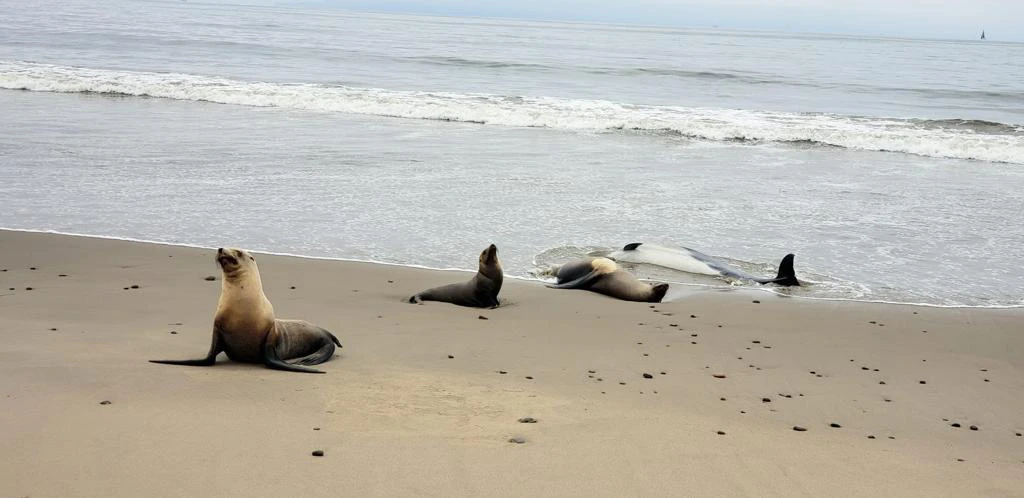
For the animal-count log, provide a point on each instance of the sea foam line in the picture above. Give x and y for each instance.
(924, 138)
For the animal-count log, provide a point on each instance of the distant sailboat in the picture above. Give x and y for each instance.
(982, 34)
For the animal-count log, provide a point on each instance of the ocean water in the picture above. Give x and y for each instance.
(892, 168)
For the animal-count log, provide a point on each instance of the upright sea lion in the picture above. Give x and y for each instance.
(480, 292)
(245, 328)
(603, 276)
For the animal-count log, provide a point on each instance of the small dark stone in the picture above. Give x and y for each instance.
(125, 288)
(622, 383)
(293, 287)
(960, 459)
(693, 316)
(872, 322)
(648, 376)
(766, 400)
(881, 382)
(693, 342)
(673, 325)
(529, 377)
(922, 382)
(451, 357)
(527, 420)
(718, 376)
(502, 372)
(955, 424)
(135, 286)
(986, 380)
(743, 411)
(32, 268)
(834, 425)
(984, 370)
(517, 440)
(646, 354)
(318, 453)
(721, 433)
(599, 379)
(865, 368)
(61, 275)
(756, 301)
(871, 437)
(104, 402)
(812, 371)
(28, 288)
(12, 288)
(1019, 434)
(391, 281)
(481, 317)
(210, 278)
(662, 373)
(592, 371)
(892, 437)
(756, 341)
(799, 429)
(974, 427)
(316, 428)
(53, 329)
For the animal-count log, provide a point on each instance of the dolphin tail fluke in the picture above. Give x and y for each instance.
(787, 275)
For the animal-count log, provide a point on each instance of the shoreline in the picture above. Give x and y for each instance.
(424, 399)
(687, 288)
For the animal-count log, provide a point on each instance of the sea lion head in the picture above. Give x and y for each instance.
(489, 264)
(235, 262)
(658, 292)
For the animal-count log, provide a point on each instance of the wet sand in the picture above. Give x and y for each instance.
(426, 400)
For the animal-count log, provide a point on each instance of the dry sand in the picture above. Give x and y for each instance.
(396, 416)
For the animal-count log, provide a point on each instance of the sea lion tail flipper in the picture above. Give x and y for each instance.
(787, 275)
(272, 361)
(632, 246)
(415, 299)
(578, 283)
(211, 357)
(334, 339)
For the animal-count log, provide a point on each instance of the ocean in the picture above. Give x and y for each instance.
(893, 168)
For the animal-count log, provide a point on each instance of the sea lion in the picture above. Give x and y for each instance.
(691, 261)
(245, 328)
(480, 292)
(603, 276)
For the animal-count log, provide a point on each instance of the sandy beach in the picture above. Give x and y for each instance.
(424, 399)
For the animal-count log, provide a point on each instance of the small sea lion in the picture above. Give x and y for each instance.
(245, 328)
(480, 292)
(603, 276)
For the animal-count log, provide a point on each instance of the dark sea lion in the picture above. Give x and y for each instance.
(480, 292)
(245, 328)
(603, 276)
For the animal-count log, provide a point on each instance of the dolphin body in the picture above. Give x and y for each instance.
(691, 261)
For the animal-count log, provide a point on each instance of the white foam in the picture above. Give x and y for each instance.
(875, 134)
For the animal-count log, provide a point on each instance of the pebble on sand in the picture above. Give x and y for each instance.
(834, 425)
(529, 377)
(104, 402)
(718, 376)
(481, 317)
(210, 278)
(871, 437)
(318, 453)
(648, 376)
(174, 332)
(721, 433)
(799, 429)
(451, 357)
(61, 275)
(316, 428)
(974, 427)
(28, 288)
(756, 301)
(766, 400)
(293, 287)
(955, 424)
(921, 382)
(517, 440)
(135, 286)
(527, 420)
(502, 372)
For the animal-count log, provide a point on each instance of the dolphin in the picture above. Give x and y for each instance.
(691, 261)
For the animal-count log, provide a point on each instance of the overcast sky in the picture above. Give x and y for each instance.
(961, 19)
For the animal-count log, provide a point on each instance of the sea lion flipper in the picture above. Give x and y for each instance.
(581, 282)
(272, 361)
(211, 357)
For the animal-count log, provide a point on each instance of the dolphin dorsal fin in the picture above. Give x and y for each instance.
(632, 246)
